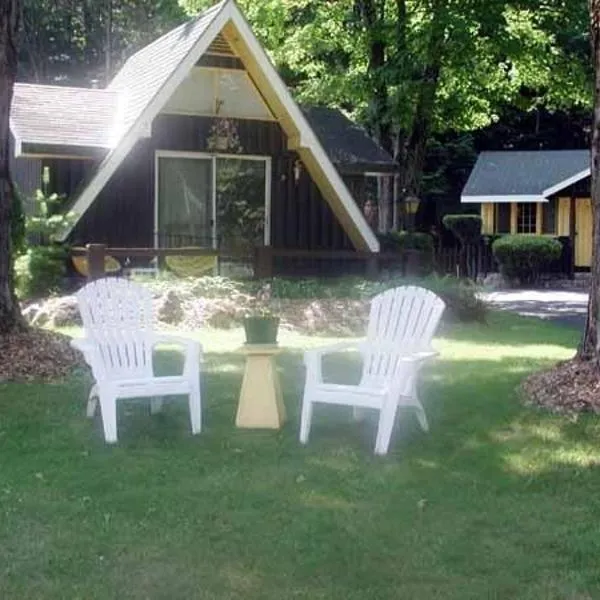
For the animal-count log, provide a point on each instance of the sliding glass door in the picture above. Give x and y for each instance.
(240, 203)
(184, 207)
(212, 201)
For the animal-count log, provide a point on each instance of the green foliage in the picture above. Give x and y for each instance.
(400, 241)
(40, 271)
(66, 41)
(523, 258)
(461, 296)
(467, 228)
(418, 249)
(17, 224)
(48, 220)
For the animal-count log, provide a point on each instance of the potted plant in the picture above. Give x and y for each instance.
(261, 323)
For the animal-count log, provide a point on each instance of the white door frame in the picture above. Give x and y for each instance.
(158, 154)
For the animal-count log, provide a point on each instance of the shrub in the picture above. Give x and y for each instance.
(523, 258)
(467, 228)
(421, 263)
(399, 241)
(40, 271)
(460, 295)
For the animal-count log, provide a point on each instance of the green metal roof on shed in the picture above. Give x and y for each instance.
(524, 176)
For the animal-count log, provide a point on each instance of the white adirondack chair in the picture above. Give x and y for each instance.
(402, 322)
(118, 345)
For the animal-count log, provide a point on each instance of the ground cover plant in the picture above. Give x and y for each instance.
(498, 501)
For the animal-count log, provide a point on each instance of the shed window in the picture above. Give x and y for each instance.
(549, 212)
(526, 217)
(502, 218)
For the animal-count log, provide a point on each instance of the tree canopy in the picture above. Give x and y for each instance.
(409, 70)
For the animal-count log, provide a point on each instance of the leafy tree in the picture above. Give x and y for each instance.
(10, 315)
(410, 69)
(77, 41)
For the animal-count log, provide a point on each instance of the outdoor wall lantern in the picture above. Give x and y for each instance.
(412, 204)
(297, 170)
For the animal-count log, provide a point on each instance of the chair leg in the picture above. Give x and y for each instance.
(108, 409)
(305, 419)
(156, 404)
(195, 409)
(92, 402)
(421, 417)
(387, 417)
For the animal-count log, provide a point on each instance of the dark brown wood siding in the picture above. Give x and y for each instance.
(123, 213)
(27, 176)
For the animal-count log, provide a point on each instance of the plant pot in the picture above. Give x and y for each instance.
(261, 330)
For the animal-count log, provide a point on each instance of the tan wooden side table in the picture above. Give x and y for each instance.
(261, 402)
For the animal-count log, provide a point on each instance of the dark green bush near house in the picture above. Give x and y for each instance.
(417, 247)
(398, 241)
(40, 271)
(523, 258)
(460, 295)
(467, 228)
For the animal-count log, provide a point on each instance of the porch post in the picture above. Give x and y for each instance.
(96, 254)
(572, 235)
(263, 262)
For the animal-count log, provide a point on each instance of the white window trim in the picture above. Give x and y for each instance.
(158, 154)
(502, 199)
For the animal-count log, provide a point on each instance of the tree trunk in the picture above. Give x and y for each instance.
(10, 314)
(588, 349)
(412, 149)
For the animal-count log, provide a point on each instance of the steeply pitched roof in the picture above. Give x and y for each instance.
(152, 75)
(147, 71)
(347, 144)
(526, 176)
(63, 116)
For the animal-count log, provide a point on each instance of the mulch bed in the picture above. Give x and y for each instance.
(37, 355)
(570, 387)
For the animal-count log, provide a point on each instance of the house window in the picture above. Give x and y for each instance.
(526, 217)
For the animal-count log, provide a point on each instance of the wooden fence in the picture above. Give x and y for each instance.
(266, 261)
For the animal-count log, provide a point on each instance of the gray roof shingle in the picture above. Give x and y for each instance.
(144, 74)
(57, 115)
(523, 173)
(347, 144)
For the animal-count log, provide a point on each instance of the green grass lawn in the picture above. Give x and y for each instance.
(497, 501)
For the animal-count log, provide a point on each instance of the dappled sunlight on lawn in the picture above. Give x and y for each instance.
(462, 350)
(532, 448)
(497, 500)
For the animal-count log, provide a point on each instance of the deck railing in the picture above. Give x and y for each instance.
(474, 262)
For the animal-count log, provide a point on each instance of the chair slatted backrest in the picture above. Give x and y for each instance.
(117, 317)
(402, 322)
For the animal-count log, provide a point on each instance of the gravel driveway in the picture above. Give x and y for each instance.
(567, 308)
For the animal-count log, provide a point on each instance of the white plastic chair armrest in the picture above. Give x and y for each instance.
(86, 347)
(313, 359)
(192, 350)
(423, 356)
(331, 349)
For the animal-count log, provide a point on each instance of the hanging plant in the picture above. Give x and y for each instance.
(223, 137)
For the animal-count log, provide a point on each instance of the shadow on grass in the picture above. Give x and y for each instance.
(503, 328)
(497, 501)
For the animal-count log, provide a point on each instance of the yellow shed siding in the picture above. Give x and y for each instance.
(487, 218)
